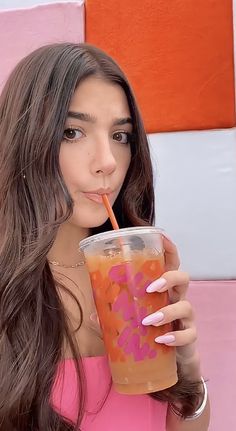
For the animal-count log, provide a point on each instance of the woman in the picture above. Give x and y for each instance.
(70, 130)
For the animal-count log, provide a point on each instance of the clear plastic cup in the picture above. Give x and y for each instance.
(121, 264)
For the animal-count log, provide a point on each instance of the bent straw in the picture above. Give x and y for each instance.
(124, 247)
(110, 212)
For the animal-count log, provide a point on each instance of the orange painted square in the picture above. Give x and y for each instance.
(178, 55)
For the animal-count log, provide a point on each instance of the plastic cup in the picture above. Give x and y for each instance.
(121, 265)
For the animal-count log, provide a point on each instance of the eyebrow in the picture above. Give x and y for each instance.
(91, 119)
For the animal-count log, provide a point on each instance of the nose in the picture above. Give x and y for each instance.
(104, 162)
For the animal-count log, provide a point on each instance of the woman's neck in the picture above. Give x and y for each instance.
(66, 246)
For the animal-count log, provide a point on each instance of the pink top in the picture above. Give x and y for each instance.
(117, 411)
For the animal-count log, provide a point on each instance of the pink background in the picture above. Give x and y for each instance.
(214, 304)
(23, 30)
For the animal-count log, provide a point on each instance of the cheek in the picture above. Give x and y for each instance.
(64, 162)
(124, 159)
(127, 163)
(67, 175)
(70, 166)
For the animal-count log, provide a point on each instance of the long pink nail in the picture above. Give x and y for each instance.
(153, 318)
(165, 339)
(156, 285)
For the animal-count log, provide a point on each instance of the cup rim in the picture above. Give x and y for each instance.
(119, 233)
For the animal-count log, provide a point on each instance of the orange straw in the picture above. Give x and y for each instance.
(110, 212)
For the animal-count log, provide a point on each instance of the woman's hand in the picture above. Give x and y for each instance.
(179, 312)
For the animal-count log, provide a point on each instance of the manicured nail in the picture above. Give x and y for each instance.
(153, 318)
(156, 285)
(165, 339)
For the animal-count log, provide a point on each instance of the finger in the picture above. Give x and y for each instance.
(177, 281)
(178, 338)
(188, 355)
(181, 310)
(171, 256)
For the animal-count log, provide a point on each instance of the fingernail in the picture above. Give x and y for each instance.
(153, 318)
(165, 339)
(156, 285)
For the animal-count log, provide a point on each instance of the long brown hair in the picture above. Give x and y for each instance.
(34, 202)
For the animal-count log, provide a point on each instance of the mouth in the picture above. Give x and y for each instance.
(96, 196)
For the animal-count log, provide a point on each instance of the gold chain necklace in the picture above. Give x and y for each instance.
(76, 265)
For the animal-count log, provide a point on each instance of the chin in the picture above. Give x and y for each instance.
(91, 226)
(88, 222)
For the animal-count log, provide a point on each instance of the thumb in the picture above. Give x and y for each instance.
(171, 256)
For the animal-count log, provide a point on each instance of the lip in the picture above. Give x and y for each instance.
(96, 196)
(101, 191)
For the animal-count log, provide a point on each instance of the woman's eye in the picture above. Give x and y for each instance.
(72, 135)
(123, 137)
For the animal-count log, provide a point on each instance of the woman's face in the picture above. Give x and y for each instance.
(95, 152)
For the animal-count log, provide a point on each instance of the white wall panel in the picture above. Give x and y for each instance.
(234, 18)
(195, 185)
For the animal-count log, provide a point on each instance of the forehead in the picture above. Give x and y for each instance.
(97, 94)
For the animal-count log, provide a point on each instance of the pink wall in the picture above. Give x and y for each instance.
(23, 30)
(215, 307)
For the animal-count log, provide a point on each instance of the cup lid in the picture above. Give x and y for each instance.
(120, 233)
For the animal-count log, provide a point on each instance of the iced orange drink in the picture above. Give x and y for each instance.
(121, 265)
